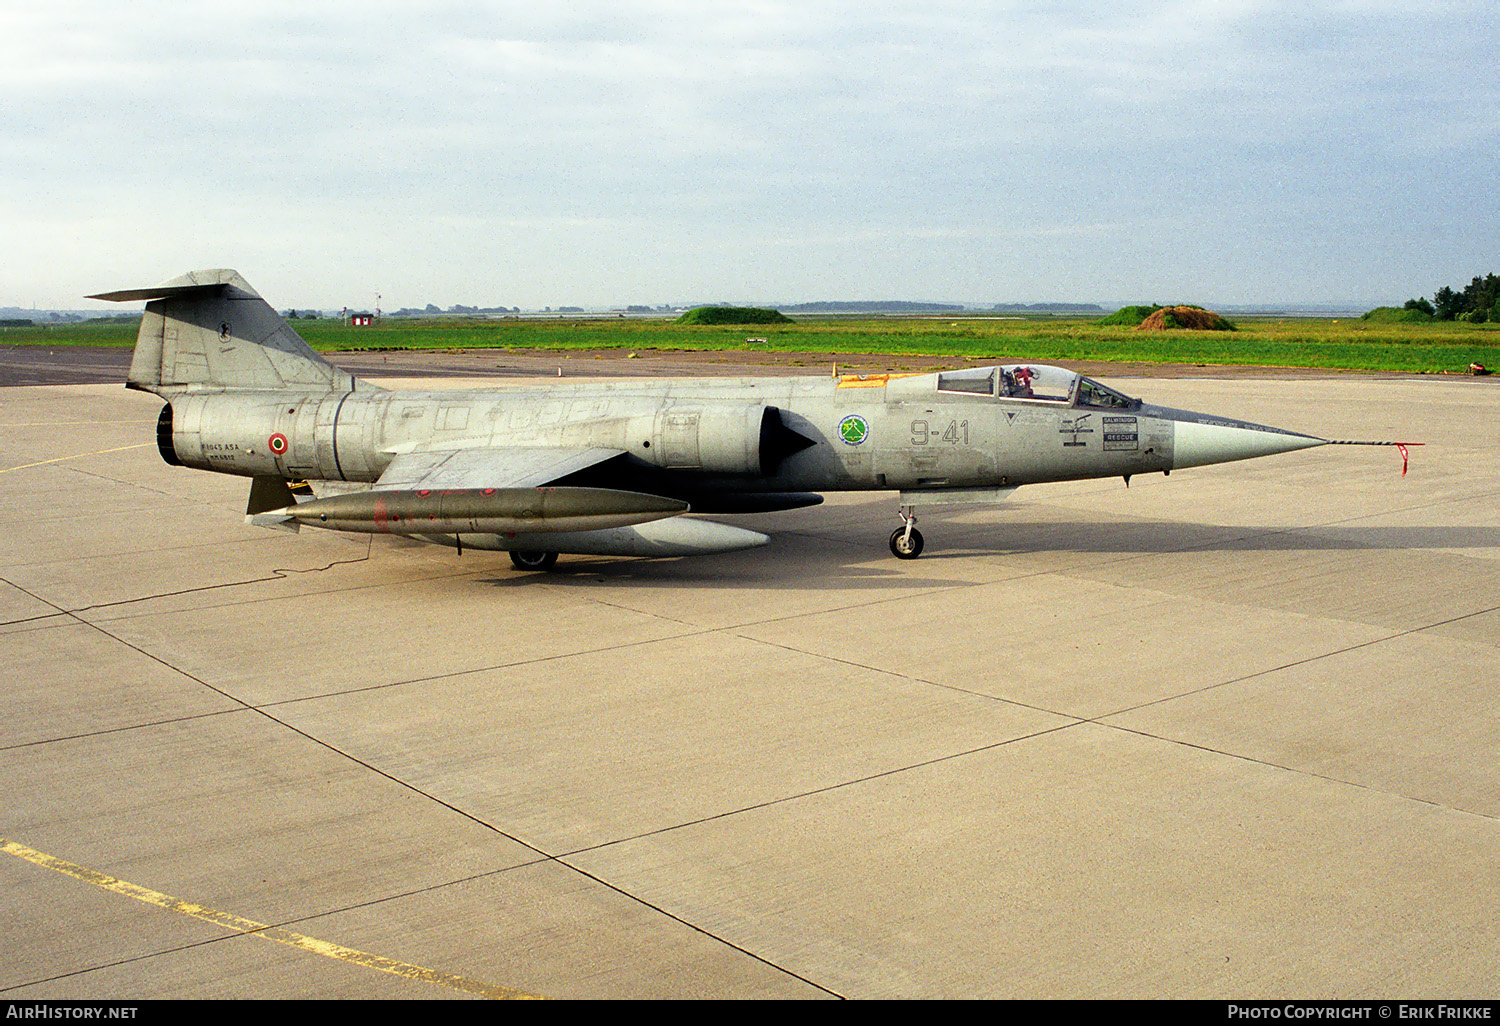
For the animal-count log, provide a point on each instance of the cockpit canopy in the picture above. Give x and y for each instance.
(1035, 382)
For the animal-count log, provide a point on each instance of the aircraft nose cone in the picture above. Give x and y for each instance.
(1198, 443)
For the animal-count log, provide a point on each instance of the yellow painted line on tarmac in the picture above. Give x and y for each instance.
(245, 926)
(75, 456)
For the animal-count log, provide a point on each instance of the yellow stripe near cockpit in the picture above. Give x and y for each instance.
(871, 380)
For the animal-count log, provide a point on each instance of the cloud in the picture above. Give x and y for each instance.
(616, 145)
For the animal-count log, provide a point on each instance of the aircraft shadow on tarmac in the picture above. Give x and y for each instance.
(815, 560)
(1161, 537)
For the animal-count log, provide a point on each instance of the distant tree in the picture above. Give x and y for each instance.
(1480, 294)
(1446, 304)
(1480, 297)
(1420, 305)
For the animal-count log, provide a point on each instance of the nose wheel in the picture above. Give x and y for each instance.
(906, 541)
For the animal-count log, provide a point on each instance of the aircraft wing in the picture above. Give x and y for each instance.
(499, 467)
(490, 491)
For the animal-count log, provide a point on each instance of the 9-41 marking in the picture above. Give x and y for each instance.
(956, 433)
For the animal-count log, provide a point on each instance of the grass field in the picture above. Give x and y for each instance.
(1315, 343)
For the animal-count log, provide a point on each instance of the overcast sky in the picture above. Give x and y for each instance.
(542, 153)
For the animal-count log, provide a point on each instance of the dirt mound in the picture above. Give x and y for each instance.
(1192, 318)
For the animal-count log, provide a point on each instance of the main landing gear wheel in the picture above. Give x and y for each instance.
(906, 545)
(533, 560)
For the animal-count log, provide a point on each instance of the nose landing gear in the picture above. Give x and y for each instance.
(906, 541)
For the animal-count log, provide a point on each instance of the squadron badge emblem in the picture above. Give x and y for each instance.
(854, 429)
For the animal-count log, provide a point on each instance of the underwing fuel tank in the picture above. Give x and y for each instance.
(482, 510)
(679, 536)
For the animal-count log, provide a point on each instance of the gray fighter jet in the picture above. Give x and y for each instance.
(607, 468)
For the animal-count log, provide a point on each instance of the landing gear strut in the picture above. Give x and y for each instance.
(906, 542)
(533, 560)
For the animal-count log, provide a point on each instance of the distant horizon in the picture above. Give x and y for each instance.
(1319, 307)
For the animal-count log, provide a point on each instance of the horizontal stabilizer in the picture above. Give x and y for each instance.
(160, 292)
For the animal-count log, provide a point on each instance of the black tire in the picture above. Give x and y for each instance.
(904, 548)
(533, 560)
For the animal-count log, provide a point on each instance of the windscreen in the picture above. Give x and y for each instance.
(1091, 393)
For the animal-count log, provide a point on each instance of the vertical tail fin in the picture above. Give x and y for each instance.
(209, 330)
